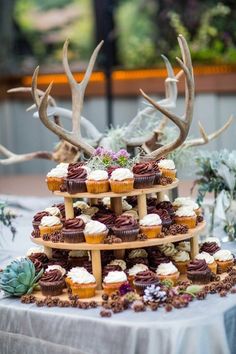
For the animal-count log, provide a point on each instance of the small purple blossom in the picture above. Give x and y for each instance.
(125, 288)
(122, 153)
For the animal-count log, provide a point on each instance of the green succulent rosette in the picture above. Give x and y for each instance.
(19, 277)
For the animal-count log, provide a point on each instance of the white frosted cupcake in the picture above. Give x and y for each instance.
(137, 268)
(113, 281)
(167, 271)
(167, 168)
(120, 262)
(186, 202)
(95, 232)
(184, 246)
(224, 260)
(97, 182)
(55, 177)
(49, 225)
(151, 225)
(81, 282)
(210, 261)
(186, 216)
(53, 211)
(181, 260)
(84, 217)
(122, 180)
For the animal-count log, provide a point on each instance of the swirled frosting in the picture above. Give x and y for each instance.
(184, 246)
(124, 221)
(80, 275)
(168, 164)
(223, 255)
(75, 223)
(185, 211)
(80, 205)
(146, 277)
(107, 218)
(33, 250)
(181, 256)
(166, 269)
(137, 268)
(50, 221)
(166, 205)
(209, 247)
(53, 211)
(38, 217)
(138, 253)
(51, 276)
(213, 239)
(150, 220)
(94, 227)
(143, 168)
(204, 255)
(197, 265)
(115, 277)
(59, 171)
(77, 173)
(168, 249)
(85, 218)
(125, 205)
(56, 266)
(185, 201)
(119, 262)
(98, 175)
(79, 253)
(120, 174)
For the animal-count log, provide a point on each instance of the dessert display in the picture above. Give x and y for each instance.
(167, 168)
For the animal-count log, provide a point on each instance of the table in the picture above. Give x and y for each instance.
(205, 327)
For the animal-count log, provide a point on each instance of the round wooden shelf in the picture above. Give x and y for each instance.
(122, 245)
(134, 192)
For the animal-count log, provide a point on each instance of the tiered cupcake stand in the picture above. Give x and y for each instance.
(119, 248)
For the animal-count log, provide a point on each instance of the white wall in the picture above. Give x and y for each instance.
(22, 133)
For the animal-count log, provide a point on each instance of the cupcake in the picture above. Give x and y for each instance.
(56, 266)
(77, 258)
(73, 230)
(110, 268)
(167, 168)
(120, 262)
(186, 202)
(61, 207)
(97, 182)
(137, 256)
(95, 232)
(85, 218)
(52, 282)
(126, 228)
(184, 246)
(181, 260)
(150, 225)
(199, 272)
(210, 261)
(121, 180)
(81, 205)
(157, 172)
(213, 239)
(75, 180)
(156, 258)
(37, 219)
(81, 283)
(56, 176)
(106, 217)
(168, 249)
(132, 213)
(144, 279)
(49, 225)
(166, 205)
(137, 268)
(166, 219)
(144, 175)
(209, 247)
(37, 255)
(113, 281)
(186, 216)
(224, 260)
(167, 271)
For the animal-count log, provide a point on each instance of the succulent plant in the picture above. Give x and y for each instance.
(19, 277)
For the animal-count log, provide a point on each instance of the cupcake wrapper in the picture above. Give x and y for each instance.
(75, 186)
(52, 289)
(168, 173)
(122, 186)
(201, 278)
(139, 287)
(54, 183)
(143, 181)
(96, 238)
(151, 231)
(97, 187)
(73, 236)
(49, 229)
(84, 291)
(157, 178)
(126, 235)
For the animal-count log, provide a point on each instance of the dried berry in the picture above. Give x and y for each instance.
(223, 293)
(168, 307)
(201, 295)
(138, 306)
(105, 297)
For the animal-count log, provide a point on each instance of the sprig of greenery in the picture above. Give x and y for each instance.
(6, 218)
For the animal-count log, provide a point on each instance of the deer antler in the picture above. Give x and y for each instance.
(207, 138)
(184, 122)
(77, 91)
(15, 158)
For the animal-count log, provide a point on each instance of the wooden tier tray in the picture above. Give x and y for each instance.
(155, 189)
(122, 245)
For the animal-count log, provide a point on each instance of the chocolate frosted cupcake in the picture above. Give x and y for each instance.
(75, 180)
(126, 228)
(37, 219)
(165, 217)
(157, 172)
(39, 256)
(137, 256)
(156, 258)
(144, 279)
(52, 283)
(61, 207)
(144, 175)
(210, 247)
(110, 268)
(198, 272)
(73, 230)
(151, 202)
(105, 216)
(166, 205)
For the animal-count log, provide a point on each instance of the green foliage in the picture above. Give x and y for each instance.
(19, 277)
(6, 218)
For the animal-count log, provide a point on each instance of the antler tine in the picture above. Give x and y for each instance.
(207, 138)
(29, 89)
(184, 123)
(78, 89)
(16, 158)
(58, 130)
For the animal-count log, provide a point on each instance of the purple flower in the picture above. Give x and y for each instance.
(122, 153)
(98, 151)
(125, 288)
